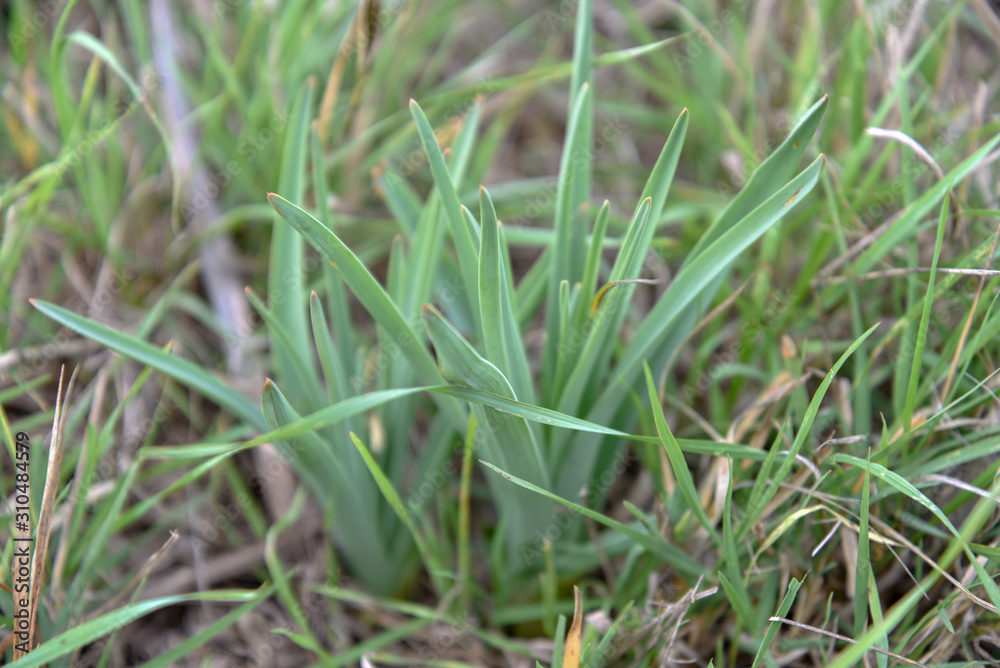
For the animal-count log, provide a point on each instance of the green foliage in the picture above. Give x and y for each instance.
(525, 320)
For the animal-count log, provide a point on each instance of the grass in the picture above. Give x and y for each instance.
(503, 318)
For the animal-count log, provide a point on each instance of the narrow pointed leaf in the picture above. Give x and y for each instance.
(180, 370)
(680, 468)
(656, 544)
(369, 292)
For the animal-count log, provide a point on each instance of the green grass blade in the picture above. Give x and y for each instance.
(582, 75)
(461, 148)
(501, 436)
(329, 359)
(403, 201)
(79, 636)
(588, 284)
(774, 171)
(370, 293)
(581, 166)
(188, 646)
(336, 295)
(465, 242)
(431, 562)
(691, 280)
(700, 272)
(680, 468)
(575, 144)
(662, 176)
(607, 312)
(517, 355)
(656, 544)
(335, 473)
(863, 567)
(919, 208)
(524, 410)
(772, 628)
(738, 598)
(899, 482)
(760, 483)
(301, 367)
(425, 257)
(460, 363)
(285, 280)
(918, 352)
(803, 432)
(180, 370)
(736, 589)
(497, 320)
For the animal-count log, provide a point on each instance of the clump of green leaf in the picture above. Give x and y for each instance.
(584, 372)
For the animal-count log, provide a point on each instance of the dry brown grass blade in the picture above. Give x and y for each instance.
(70, 348)
(694, 416)
(968, 320)
(831, 634)
(904, 271)
(859, 246)
(680, 609)
(778, 389)
(49, 493)
(907, 140)
(892, 537)
(224, 566)
(571, 657)
(355, 41)
(850, 546)
(77, 491)
(136, 582)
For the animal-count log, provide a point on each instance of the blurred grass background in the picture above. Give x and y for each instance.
(139, 141)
